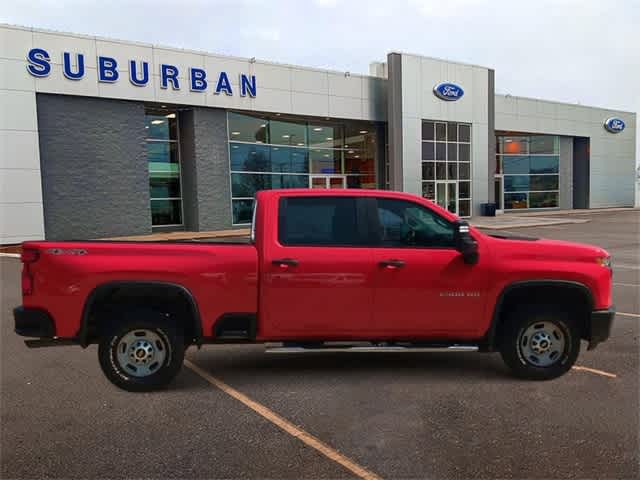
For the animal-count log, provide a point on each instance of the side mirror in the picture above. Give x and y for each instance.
(465, 243)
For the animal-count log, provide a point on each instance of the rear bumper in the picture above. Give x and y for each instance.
(33, 322)
(600, 326)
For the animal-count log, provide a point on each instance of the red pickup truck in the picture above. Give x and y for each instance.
(331, 270)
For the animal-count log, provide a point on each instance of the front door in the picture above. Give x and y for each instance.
(423, 287)
(316, 274)
(327, 181)
(447, 195)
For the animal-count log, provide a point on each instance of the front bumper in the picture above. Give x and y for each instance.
(33, 322)
(600, 323)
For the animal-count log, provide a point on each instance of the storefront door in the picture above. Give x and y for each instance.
(328, 181)
(447, 195)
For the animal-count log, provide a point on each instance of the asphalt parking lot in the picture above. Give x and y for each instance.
(397, 416)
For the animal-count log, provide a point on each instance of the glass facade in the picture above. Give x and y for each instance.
(163, 157)
(446, 165)
(530, 167)
(272, 151)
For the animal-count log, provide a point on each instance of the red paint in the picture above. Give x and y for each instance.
(332, 293)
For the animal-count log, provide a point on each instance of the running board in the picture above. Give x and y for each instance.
(372, 348)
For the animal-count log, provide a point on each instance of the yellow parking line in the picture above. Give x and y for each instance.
(636, 315)
(593, 370)
(285, 425)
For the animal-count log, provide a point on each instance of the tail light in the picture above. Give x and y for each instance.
(28, 257)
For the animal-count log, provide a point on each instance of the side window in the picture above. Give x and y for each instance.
(407, 224)
(317, 221)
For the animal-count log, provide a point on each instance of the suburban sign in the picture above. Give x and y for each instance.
(614, 124)
(109, 71)
(448, 91)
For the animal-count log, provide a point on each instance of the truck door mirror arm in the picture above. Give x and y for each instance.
(465, 243)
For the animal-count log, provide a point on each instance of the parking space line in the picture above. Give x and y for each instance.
(285, 425)
(626, 284)
(10, 255)
(636, 315)
(593, 370)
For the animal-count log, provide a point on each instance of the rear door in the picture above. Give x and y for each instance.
(317, 275)
(423, 286)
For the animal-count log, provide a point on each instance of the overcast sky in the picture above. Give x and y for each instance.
(582, 51)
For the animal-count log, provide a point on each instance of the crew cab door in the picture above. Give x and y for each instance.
(316, 273)
(423, 287)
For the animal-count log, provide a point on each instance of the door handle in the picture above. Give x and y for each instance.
(392, 263)
(285, 262)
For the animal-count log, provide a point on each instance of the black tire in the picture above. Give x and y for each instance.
(162, 341)
(515, 344)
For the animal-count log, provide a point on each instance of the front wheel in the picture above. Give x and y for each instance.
(539, 344)
(141, 355)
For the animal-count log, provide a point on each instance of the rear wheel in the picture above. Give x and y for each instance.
(141, 354)
(539, 344)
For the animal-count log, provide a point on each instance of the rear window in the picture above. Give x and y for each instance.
(318, 221)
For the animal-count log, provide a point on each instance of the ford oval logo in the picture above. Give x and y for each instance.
(448, 91)
(614, 124)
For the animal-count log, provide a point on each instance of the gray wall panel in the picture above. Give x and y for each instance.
(566, 172)
(95, 180)
(211, 158)
(394, 119)
(491, 109)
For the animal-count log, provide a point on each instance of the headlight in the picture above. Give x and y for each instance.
(604, 261)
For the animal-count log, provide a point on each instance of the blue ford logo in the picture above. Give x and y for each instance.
(448, 91)
(614, 125)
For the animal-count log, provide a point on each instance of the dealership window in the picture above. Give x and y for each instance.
(163, 157)
(446, 165)
(529, 167)
(275, 151)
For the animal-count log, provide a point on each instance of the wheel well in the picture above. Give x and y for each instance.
(571, 298)
(174, 301)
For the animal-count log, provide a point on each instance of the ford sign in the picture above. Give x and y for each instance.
(614, 125)
(448, 91)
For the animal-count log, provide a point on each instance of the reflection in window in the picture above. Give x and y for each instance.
(163, 159)
(446, 157)
(407, 224)
(531, 166)
(246, 128)
(267, 146)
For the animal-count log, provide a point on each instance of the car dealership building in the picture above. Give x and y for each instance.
(103, 138)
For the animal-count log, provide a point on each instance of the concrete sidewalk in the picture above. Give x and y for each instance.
(516, 221)
(540, 219)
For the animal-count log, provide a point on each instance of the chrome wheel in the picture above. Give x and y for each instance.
(542, 344)
(142, 352)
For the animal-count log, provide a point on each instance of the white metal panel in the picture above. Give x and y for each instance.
(18, 110)
(14, 76)
(310, 81)
(345, 107)
(272, 76)
(123, 53)
(20, 222)
(56, 82)
(345, 86)
(126, 90)
(19, 149)
(19, 185)
(56, 44)
(180, 59)
(15, 42)
(310, 104)
(273, 100)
